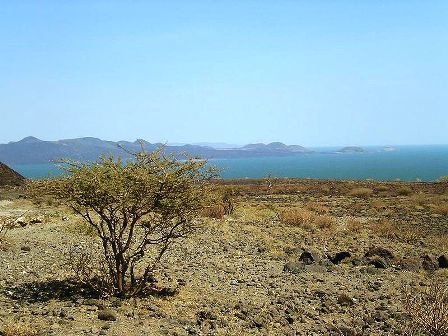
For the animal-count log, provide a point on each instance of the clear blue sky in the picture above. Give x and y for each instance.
(310, 72)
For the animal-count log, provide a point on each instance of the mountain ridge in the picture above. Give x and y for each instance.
(31, 150)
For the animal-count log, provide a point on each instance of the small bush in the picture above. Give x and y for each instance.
(427, 310)
(404, 191)
(384, 228)
(441, 209)
(443, 179)
(354, 225)
(382, 188)
(306, 219)
(317, 208)
(361, 192)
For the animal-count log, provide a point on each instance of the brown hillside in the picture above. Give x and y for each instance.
(9, 176)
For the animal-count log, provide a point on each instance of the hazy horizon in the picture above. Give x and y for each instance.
(312, 73)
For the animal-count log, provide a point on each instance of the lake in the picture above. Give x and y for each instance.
(407, 163)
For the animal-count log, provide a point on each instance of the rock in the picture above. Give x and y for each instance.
(345, 300)
(379, 252)
(428, 263)
(21, 221)
(378, 262)
(25, 248)
(294, 267)
(36, 220)
(307, 258)
(64, 218)
(107, 315)
(443, 261)
(339, 257)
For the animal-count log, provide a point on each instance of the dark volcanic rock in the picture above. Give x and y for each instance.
(339, 257)
(443, 261)
(307, 258)
(379, 252)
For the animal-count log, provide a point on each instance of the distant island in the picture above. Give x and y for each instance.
(32, 150)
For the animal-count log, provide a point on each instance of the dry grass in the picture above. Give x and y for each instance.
(360, 192)
(306, 219)
(317, 208)
(427, 310)
(18, 328)
(354, 225)
(441, 209)
(384, 228)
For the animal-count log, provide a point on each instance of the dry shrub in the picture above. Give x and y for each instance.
(404, 191)
(217, 211)
(354, 225)
(384, 228)
(377, 204)
(419, 199)
(18, 328)
(360, 192)
(441, 209)
(427, 310)
(382, 188)
(317, 207)
(324, 222)
(306, 219)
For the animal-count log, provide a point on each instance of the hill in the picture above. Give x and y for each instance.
(9, 177)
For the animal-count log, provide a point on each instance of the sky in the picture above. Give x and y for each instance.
(314, 73)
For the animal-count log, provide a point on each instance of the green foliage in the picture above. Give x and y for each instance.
(136, 209)
(443, 179)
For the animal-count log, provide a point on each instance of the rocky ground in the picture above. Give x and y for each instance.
(296, 257)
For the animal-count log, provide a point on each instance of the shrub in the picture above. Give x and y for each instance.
(137, 209)
(306, 219)
(404, 191)
(427, 310)
(361, 192)
(443, 179)
(384, 228)
(353, 225)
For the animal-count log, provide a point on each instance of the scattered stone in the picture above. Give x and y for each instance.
(25, 248)
(107, 315)
(36, 220)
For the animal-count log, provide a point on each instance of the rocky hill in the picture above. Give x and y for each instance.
(9, 177)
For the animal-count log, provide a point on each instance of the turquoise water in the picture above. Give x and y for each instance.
(408, 163)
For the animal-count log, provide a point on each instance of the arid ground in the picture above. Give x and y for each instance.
(296, 257)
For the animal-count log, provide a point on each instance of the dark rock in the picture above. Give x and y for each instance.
(443, 261)
(428, 263)
(339, 257)
(379, 262)
(379, 252)
(307, 258)
(107, 315)
(345, 300)
(25, 248)
(294, 267)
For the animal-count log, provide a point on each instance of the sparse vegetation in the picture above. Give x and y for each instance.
(306, 219)
(404, 191)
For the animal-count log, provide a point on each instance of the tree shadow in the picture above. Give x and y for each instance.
(38, 292)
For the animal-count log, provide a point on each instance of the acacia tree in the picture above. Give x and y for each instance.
(137, 209)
